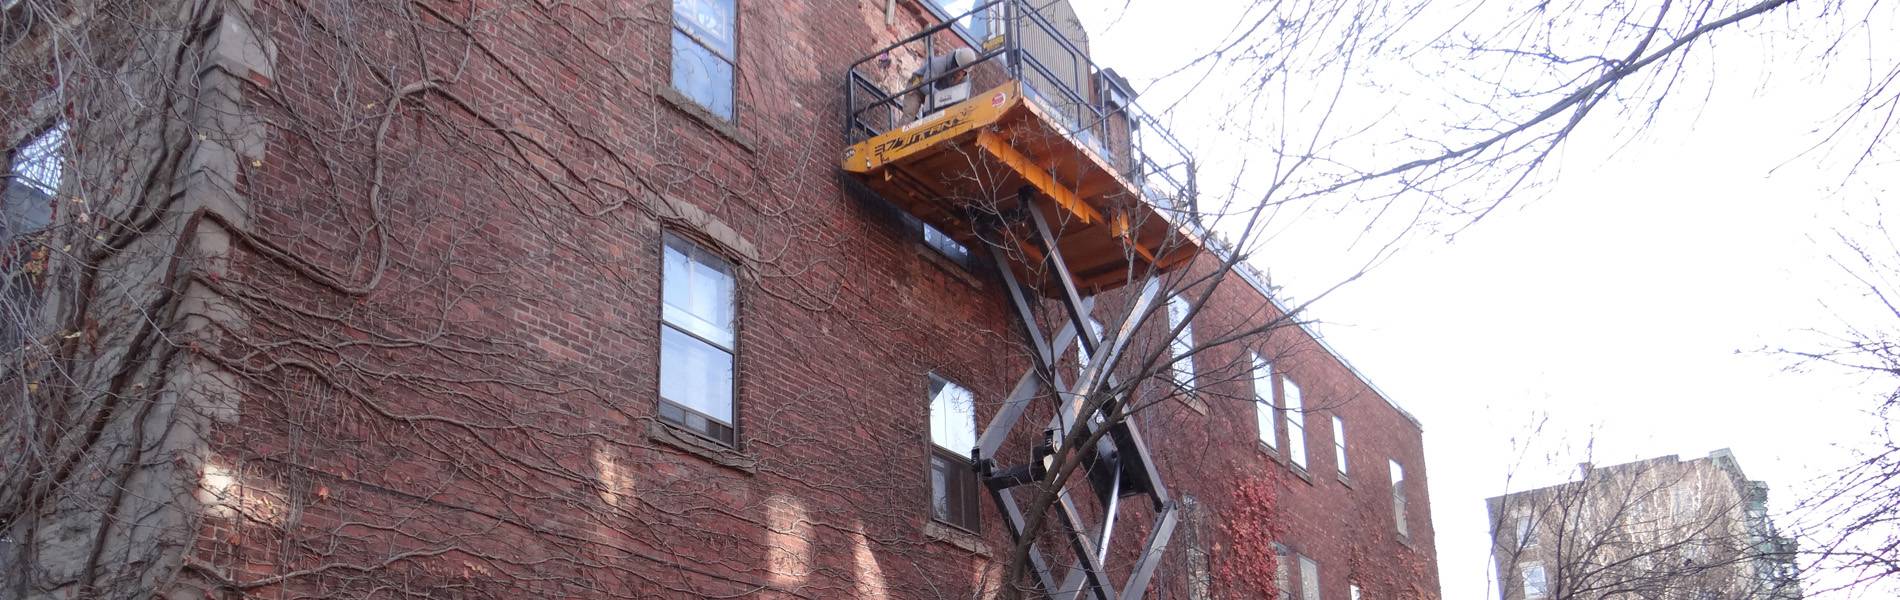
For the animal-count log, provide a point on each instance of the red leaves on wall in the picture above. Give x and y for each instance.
(1246, 569)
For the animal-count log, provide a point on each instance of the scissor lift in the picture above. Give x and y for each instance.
(1062, 216)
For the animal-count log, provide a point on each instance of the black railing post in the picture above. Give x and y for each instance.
(1012, 40)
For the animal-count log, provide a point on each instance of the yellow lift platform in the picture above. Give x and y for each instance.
(981, 151)
(1016, 170)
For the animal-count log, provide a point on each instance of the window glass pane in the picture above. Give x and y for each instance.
(34, 176)
(702, 76)
(1281, 571)
(27, 208)
(1683, 505)
(942, 242)
(698, 292)
(709, 20)
(1309, 579)
(1534, 586)
(1263, 423)
(1339, 444)
(1264, 412)
(977, 24)
(1182, 344)
(952, 417)
(41, 161)
(1082, 357)
(941, 478)
(1295, 423)
(695, 374)
(1262, 379)
(1398, 497)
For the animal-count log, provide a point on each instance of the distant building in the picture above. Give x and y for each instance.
(1660, 528)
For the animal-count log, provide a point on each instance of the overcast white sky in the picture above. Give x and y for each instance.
(1625, 304)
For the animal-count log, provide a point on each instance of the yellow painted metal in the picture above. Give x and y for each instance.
(1046, 183)
(924, 168)
(920, 136)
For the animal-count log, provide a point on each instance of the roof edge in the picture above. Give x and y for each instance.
(1222, 249)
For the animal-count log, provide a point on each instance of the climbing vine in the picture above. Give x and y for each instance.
(1247, 569)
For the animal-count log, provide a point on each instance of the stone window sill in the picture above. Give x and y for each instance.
(1272, 453)
(964, 540)
(947, 265)
(1301, 472)
(701, 447)
(1194, 402)
(725, 128)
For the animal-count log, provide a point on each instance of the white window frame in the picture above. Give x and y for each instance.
(679, 321)
(1683, 504)
(1339, 445)
(35, 168)
(1179, 348)
(948, 246)
(952, 416)
(1266, 414)
(681, 29)
(1282, 571)
(1309, 578)
(1295, 421)
(1397, 473)
(40, 159)
(1526, 532)
(953, 435)
(1536, 582)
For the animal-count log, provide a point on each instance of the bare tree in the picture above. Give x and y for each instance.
(1657, 528)
(1848, 524)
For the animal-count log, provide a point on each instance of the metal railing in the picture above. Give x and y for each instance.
(1102, 117)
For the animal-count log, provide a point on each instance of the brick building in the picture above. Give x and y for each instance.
(1658, 528)
(516, 299)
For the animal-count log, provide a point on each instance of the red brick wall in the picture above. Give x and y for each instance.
(451, 365)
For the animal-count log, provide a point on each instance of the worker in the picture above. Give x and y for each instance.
(950, 77)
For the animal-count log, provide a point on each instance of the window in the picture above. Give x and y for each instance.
(1309, 579)
(696, 341)
(1295, 423)
(703, 49)
(34, 172)
(1534, 585)
(1282, 579)
(953, 484)
(976, 24)
(1526, 533)
(1082, 353)
(948, 246)
(1339, 444)
(1263, 410)
(1683, 505)
(1398, 498)
(1183, 365)
(1193, 535)
(1352, 591)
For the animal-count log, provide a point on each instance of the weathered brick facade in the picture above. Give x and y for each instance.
(433, 300)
